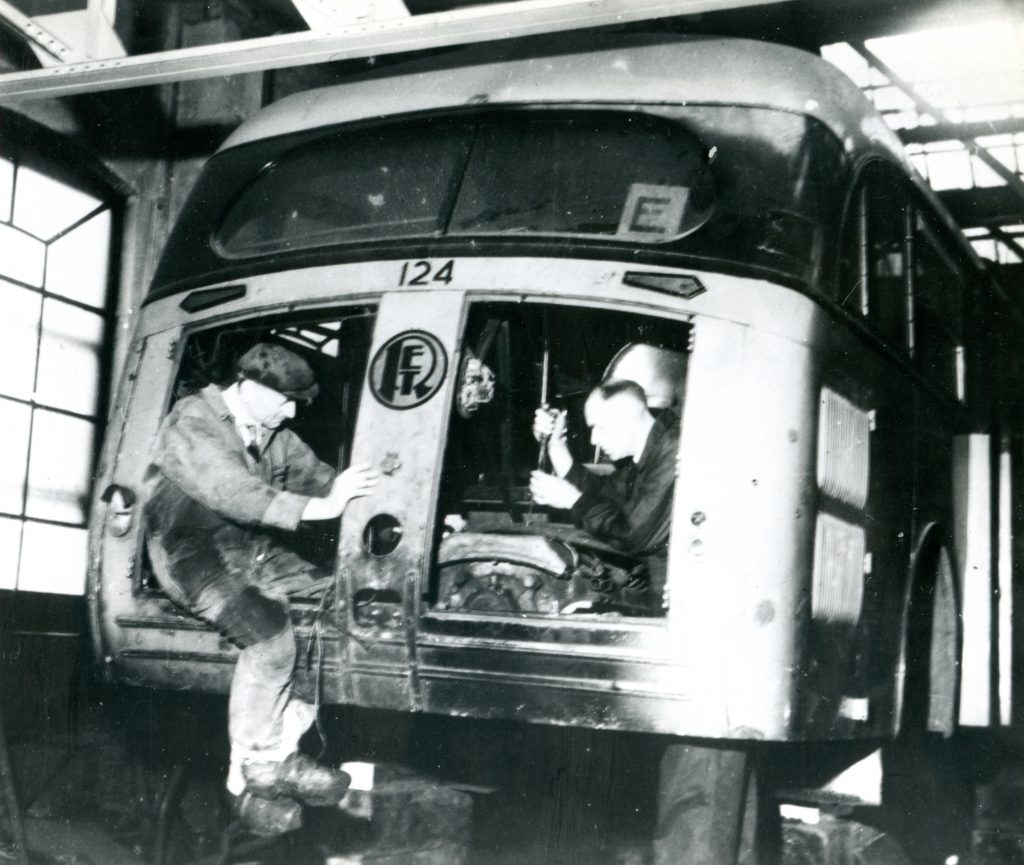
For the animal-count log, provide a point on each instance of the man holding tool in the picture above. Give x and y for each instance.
(631, 508)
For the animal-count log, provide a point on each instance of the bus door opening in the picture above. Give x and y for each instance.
(497, 551)
(336, 345)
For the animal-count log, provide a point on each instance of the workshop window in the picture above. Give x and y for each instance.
(55, 231)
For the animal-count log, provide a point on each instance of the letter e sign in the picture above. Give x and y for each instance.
(652, 212)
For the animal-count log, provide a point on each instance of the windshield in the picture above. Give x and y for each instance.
(732, 185)
(619, 175)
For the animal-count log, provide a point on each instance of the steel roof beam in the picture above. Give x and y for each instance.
(983, 206)
(947, 132)
(923, 106)
(49, 47)
(1007, 240)
(70, 36)
(365, 39)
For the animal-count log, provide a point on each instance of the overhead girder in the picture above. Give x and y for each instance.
(1004, 204)
(983, 207)
(923, 106)
(362, 39)
(947, 132)
(67, 36)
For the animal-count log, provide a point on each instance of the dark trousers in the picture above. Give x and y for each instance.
(239, 580)
(708, 810)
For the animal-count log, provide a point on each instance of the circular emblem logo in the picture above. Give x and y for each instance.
(408, 369)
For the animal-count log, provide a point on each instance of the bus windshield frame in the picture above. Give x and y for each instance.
(740, 186)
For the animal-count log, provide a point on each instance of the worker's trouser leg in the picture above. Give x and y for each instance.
(210, 567)
(706, 807)
(265, 722)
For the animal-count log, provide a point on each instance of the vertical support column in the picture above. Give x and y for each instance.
(1004, 599)
(972, 497)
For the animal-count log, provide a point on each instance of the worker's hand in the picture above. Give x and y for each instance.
(548, 423)
(354, 482)
(549, 430)
(548, 490)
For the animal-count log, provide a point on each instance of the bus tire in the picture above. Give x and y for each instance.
(931, 641)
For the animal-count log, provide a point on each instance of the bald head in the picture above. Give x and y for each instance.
(618, 417)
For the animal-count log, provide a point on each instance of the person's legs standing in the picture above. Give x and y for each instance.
(702, 794)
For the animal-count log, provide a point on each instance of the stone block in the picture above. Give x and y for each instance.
(406, 811)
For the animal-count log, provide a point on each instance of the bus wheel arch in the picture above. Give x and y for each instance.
(929, 668)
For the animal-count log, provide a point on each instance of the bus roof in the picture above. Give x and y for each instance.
(634, 69)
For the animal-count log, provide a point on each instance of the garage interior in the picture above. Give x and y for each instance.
(108, 110)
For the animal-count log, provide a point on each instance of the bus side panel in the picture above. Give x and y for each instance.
(741, 537)
(852, 664)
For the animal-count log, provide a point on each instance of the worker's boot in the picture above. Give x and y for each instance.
(267, 817)
(297, 776)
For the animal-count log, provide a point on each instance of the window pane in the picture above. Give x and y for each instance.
(19, 335)
(950, 170)
(379, 184)
(6, 189)
(585, 175)
(60, 467)
(53, 559)
(45, 207)
(887, 209)
(938, 305)
(24, 257)
(10, 537)
(77, 264)
(69, 357)
(14, 420)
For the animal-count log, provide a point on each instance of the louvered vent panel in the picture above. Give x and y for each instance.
(837, 589)
(843, 449)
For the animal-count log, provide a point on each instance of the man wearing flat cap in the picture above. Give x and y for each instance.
(225, 474)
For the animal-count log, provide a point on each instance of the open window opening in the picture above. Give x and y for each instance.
(497, 551)
(336, 345)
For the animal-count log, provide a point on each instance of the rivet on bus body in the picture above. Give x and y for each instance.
(792, 435)
(698, 517)
(696, 547)
(764, 613)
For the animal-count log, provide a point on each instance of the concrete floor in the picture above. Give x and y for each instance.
(95, 763)
(539, 796)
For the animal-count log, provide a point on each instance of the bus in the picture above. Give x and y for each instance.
(457, 241)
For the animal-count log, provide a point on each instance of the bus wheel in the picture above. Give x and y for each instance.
(932, 647)
(927, 795)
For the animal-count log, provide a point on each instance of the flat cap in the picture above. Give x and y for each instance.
(282, 370)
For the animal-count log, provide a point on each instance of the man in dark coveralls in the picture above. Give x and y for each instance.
(631, 508)
(225, 473)
(702, 795)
